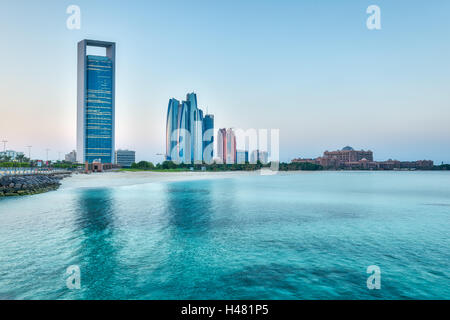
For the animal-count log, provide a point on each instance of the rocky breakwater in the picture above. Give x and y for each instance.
(29, 184)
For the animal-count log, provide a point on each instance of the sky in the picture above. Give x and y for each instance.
(311, 69)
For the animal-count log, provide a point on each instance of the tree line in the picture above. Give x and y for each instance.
(170, 165)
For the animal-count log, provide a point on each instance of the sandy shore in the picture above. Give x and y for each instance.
(126, 178)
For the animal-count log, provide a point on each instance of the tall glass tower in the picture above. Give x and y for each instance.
(172, 132)
(208, 138)
(231, 147)
(184, 131)
(195, 128)
(226, 146)
(96, 103)
(222, 145)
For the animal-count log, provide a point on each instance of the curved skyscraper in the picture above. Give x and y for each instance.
(184, 134)
(195, 128)
(172, 128)
(208, 138)
(184, 131)
(197, 136)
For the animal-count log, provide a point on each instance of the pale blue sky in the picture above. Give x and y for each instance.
(310, 68)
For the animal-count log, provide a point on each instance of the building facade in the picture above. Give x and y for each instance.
(241, 157)
(184, 131)
(96, 103)
(349, 159)
(172, 130)
(195, 128)
(261, 156)
(222, 145)
(231, 147)
(348, 154)
(71, 157)
(208, 138)
(226, 146)
(125, 158)
(11, 154)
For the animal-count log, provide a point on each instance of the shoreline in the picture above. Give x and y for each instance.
(25, 185)
(129, 178)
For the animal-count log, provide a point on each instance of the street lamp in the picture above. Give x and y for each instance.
(29, 152)
(4, 144)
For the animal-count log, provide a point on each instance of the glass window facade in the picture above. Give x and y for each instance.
(99, 113)
(172, 129)
(184, 131)
(96, 103)
(208, 138)
(125, 158)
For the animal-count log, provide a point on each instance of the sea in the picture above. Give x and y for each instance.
(294, 235)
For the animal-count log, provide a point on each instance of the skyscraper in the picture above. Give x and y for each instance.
(195, 126)
(222, 145)
(231, 147)
(208, 138)
(184, 131)
(226, 146)
(96, 103)
(172, 132)
(178, 137)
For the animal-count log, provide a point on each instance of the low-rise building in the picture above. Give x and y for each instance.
(261, 156)
(11, 154)
(350, 159)
(125, 158)
(241, 156)
(71, 157)
(264, 157)
(348, 154)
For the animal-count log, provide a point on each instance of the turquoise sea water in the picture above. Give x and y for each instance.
(289, 236)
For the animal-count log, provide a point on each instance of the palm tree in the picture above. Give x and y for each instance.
(6, 158)
(20, 158)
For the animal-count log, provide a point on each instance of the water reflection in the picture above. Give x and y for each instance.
(189, 206)
(98, 248)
